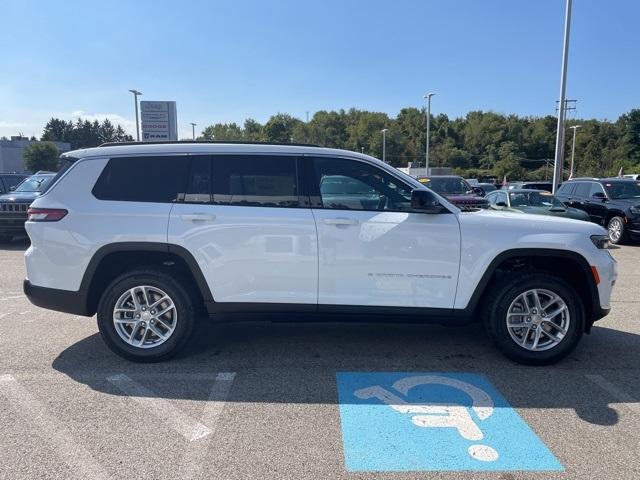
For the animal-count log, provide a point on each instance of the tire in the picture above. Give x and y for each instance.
(176, 325)
(617, 231)
(507, 295)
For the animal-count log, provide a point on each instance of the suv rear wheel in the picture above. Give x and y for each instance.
(617, 231)
(534, 318)
(145, 316)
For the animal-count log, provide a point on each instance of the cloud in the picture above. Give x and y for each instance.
(128, 124)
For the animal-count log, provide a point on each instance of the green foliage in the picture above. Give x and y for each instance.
(41, 156)
(83, 133)
(479, 144)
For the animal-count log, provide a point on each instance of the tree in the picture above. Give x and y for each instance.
(41, 156)
(84, 134)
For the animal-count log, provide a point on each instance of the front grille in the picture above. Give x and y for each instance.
(14, 207)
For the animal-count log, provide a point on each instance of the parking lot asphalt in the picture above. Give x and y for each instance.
(260, 399)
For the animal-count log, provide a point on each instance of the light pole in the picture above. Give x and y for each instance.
(426, 155)
(193, 130)
(135, 99)
(573, 148)
(384, 144)
(559, 157)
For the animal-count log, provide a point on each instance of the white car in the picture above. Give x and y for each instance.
(148, 236)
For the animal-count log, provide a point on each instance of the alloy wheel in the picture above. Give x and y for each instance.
(538, 320)
(145, 316)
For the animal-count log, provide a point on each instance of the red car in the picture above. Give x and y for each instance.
(457, 191)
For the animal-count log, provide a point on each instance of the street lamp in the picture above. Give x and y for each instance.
(384, 144)
(426, 156)
(559, 155)
(135, 99)
(573, 148)
(193, 130)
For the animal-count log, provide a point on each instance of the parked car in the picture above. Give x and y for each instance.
(613, 203)
(533, 201)
(487, 187)
(10, 180)
(632, 176)
(14, 205)
(547, 186)
(149, 235)
(457, 190)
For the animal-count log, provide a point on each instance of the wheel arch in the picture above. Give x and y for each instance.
(569, 265)
(115, 258)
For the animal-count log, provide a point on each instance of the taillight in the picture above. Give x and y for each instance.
(45, 214)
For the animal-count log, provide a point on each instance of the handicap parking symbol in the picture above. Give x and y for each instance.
(434, 422)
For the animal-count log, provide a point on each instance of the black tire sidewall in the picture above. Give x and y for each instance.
(184, 308)
(496, 314)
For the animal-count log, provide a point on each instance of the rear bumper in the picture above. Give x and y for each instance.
(66, 301)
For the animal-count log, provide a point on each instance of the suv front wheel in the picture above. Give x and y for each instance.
(145, 316)
(534, 318)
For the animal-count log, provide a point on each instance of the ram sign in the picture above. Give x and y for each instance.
(159, 121)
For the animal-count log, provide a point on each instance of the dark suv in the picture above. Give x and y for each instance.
(613, 203)
(457, 190)
(10, 180)
(15, 203)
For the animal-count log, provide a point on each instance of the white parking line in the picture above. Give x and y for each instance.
(13, 297)
(623, 397)
(193, 460)
(49, 430)
(181, 422)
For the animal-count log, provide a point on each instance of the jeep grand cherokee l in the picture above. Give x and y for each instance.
(149, 235)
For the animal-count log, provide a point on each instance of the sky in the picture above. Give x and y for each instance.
(225, 61)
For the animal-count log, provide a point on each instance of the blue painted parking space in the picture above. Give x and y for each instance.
(411, 421)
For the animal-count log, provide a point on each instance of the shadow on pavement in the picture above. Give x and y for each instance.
(18, 243)
(297, 364)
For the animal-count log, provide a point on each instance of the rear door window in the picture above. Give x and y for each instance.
(156, 179)
(199, 186)
(582, 189)
(256, 181)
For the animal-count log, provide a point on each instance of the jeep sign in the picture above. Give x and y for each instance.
(159, 121)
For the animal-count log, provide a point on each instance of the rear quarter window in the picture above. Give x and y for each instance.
(156, 179)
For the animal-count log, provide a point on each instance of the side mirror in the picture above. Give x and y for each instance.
(599, 195)
(11, 189)
(501, 204)
(425, 201)
(478, 191)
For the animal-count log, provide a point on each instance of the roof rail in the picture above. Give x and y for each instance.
(234, 142)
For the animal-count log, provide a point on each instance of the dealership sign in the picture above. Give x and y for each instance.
(159, 121)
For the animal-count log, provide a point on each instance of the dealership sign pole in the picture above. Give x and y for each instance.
(559, 158)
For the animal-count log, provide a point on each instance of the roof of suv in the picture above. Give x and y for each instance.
(608, 179)
(138, 148)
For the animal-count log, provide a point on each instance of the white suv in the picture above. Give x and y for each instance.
(148, 236)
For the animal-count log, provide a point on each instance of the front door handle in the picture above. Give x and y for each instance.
(341, 221)
(198, 217)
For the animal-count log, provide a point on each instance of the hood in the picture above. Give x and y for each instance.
(465, 198)
(525, 223)
(19, 197)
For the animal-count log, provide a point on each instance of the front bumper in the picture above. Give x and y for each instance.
(66, 301)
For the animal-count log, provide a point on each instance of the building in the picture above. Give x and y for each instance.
(11, 153)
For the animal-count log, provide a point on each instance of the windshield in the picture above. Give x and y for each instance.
(534, 199)
(35, 183)
(617, 190)
(448, 185)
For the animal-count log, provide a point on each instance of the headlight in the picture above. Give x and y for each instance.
(600, 241)
(635, 210)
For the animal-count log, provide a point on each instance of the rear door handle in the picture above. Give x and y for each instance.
(340, 221)
(198, 217)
